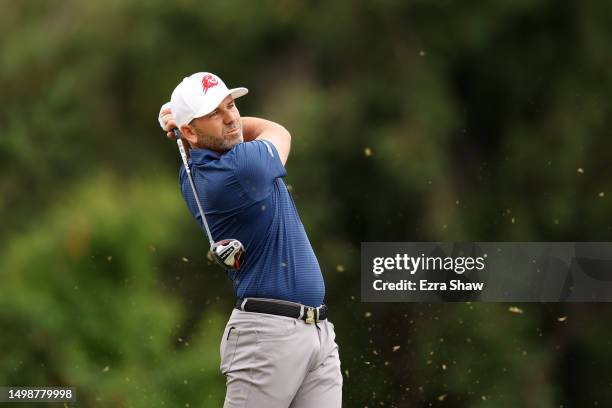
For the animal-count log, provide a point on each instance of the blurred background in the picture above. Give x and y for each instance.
(418, 120)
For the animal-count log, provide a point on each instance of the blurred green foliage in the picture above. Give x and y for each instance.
(411, 120)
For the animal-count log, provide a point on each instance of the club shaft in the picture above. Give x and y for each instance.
(181, 148)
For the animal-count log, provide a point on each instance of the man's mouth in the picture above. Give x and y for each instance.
(233, 131)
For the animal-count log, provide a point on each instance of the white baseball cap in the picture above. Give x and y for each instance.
(198, 95)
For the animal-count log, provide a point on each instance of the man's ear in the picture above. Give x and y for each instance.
(189, 134)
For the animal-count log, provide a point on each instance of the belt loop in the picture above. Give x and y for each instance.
(243, 303)
(318, 314)
(301, 312)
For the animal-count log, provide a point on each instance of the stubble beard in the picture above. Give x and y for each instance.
(219, 144)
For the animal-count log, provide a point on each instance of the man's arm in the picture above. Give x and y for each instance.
(261, 129)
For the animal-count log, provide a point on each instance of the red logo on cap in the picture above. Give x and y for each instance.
(208, 82)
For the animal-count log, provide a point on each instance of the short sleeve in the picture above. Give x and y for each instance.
(257, 166)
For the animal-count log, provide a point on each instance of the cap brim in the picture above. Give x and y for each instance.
(235, 93)
(238, 92)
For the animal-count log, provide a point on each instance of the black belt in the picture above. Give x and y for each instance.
(281, 308)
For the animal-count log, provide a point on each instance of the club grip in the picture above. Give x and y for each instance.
(179, 143)
(177, 133)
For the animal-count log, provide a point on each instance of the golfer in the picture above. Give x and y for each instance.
(278, 348)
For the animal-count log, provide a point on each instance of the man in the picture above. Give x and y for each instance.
(278, 348)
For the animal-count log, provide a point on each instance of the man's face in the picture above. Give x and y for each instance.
(221, 129)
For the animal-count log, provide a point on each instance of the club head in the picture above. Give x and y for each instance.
(229, 253)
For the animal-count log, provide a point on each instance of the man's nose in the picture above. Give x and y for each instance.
(228, 118)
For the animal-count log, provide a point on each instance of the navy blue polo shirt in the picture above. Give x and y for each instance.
(244, 197)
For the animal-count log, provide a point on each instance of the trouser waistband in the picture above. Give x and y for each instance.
(283, 308)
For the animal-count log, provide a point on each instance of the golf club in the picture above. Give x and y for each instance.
(228, 253)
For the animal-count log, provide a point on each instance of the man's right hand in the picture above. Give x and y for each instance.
(166, 120)
(167, 123)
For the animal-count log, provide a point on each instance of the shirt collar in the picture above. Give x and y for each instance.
(202, 156)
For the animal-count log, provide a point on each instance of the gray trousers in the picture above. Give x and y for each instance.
(280, 362)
